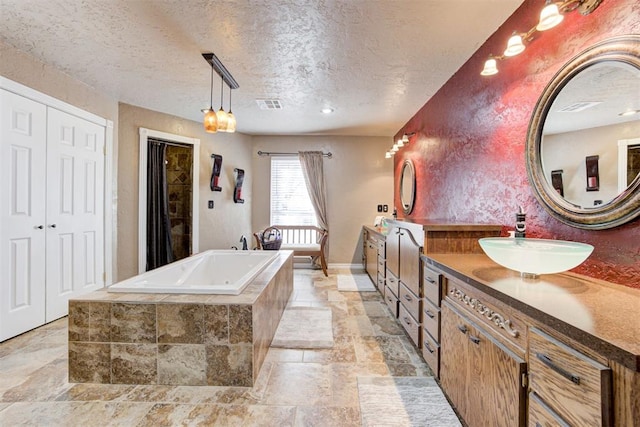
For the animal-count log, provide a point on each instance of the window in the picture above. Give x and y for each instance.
(290, 202)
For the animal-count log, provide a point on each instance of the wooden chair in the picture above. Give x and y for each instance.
(303, 240)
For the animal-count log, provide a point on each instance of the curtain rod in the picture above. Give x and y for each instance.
(267, 153)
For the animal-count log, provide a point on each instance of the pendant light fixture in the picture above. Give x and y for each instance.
(210, 117)
(231, 119)
(220, 120)
(221, 114)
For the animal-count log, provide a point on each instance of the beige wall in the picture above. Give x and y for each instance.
(358, 178)
(567, 151)
(28, 71)
(221, 227)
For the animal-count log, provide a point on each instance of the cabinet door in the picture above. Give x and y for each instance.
(410, 252)
(393, 251)
(372, 260)
(490, 391)
(454, 361)
(22, 217)
(75, 214)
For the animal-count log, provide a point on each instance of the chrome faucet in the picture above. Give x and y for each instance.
(521, 226)
(243, 240)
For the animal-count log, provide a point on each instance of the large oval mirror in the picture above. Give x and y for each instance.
(583, 143)
(407, 186)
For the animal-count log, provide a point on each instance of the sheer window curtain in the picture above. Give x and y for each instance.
(313, 171)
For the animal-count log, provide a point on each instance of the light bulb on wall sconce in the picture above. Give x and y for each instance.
(514, 45)
(400, 143)
(388, 155)
(395, 148)
(405, 139)
(550, 16)
(490, 67)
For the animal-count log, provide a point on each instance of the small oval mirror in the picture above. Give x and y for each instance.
(407, 186)
(583, 145)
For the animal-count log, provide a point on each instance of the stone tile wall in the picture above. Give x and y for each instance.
(180, 179)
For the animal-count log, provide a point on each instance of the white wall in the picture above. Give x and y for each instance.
(358, 178)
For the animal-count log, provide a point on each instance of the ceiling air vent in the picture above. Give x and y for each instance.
(579, 106)
(269, 104)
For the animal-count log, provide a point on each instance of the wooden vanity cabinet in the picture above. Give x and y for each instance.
(374, 252)
(482, 377)
(404, 247)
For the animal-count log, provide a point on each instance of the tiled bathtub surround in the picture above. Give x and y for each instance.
(167, 339)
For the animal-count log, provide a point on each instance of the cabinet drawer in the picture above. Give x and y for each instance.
(540, 415)
(392, 283)
(489, 312)
(381, 247)
(391, 301)
(577, 387)
(409, 324)
(432, 286)
(381, 264)
(431, 352)
(410, 301)
(380, 283)
(431, 319)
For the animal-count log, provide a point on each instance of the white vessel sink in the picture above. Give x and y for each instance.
(532, 257)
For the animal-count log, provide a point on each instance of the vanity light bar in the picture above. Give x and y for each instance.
(550, 16)
(402, 142)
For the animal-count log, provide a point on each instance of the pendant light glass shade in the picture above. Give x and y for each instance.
(210, 120)
(405, 138)
(400, 143)
(490, 68)
(231, 122)
(223, 119)
(388, 155)
(514, 46)
(231, 119)
(549, 17)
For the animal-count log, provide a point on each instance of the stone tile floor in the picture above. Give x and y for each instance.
(294, 388)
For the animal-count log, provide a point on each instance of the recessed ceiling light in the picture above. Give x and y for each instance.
(579, 106)
(327, 110)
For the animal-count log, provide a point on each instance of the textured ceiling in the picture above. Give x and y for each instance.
(376, 62)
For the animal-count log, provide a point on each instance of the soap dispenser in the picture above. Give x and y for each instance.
(520, 224)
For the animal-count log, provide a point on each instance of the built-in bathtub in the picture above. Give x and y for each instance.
(135, 337)
(210, 272)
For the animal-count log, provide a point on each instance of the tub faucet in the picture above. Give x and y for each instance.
(243, 240)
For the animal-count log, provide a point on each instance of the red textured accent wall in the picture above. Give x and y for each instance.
(470, 137)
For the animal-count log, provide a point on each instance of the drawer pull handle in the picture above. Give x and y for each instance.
(408, 298)
(462, 329)
(430, 280)
(548, 362)
(428, 347)
(474, 340)
(406, 320)
(429, 313)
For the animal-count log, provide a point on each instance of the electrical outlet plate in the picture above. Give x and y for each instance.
(385, 208)
(210, 204)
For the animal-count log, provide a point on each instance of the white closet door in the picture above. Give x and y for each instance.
(75, 214)
(22, 217)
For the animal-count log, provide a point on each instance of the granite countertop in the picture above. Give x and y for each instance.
(604, 317)
(445, 225)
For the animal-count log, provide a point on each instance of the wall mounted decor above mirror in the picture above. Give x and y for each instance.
(407, 186)
(590, 108)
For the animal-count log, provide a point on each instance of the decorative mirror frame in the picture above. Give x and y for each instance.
(407, 205)
(623, 208)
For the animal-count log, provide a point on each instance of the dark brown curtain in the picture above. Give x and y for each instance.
(159, 248)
